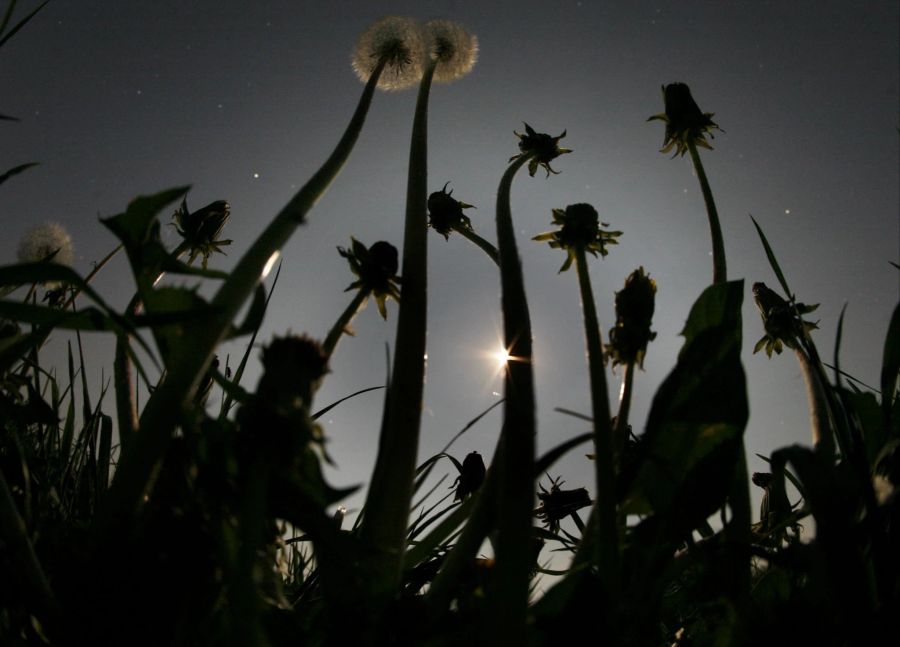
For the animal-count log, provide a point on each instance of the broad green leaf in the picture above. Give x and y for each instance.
(696, 423)
(772, 260)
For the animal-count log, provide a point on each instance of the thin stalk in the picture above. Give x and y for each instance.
(487, 247)
(390, 493)
(509, 598)
(820, 421)
(606, 548)
(620, 432)
(87, 279)
(164, 407)
(340, 326)
(715, 229)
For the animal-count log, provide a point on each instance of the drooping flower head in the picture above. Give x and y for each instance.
(202, 228)
(471, 476)
(445, 213)
(396, 40)
(782, 320)
(557, 504)
(579, 229)
(376, 270)
(634, 313)
(685, 122)
(542, 147)
(49, 242)
(454, 48)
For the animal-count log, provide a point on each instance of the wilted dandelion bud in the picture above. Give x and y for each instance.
(781, 320)
(542, 147)
(634, 313)
(685, 122)
(376, 268)
(445, 213)
(202, 228)
(49, 242)
(557, 504)
(453, 47)
(398, 42)
(471, 477)
(579, 229)
(293, 367)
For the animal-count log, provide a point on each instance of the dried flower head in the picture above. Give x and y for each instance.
(579, 229)
(542, 148)
(445, 213)
(685, 122)
(202, 228)
(376, 268)
(49, 242)
(454, 48)
(635, 303)
(782, 320)
(557, 504)
(397, 41)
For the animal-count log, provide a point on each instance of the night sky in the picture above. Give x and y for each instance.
(244, 101)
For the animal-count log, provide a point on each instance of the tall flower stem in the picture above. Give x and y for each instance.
(820, 421)
(509, 595)
(390, 492)
(606, 548)
(340, 326)
(485, 246)
(720, 273)
(164, 408)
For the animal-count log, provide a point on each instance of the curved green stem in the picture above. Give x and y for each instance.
(390, 492)
(606, 548)
(486, 246)
(509, 597)
(164, 408)
(340, 326)
(715, 229)
(820, 421)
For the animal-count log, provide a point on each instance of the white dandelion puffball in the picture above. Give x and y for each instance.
(454, 47)
(399, 42)
(47, 242)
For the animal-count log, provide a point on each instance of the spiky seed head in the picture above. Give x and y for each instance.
(454, 48)
(48, 242)
(398, 41)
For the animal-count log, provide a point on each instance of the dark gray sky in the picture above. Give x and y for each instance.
(244, 100)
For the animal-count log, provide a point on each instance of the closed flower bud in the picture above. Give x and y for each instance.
(542, 147)
(634, 313)
(579, 229)
(471, 477)
(445, 213)
(557, 504)
(453, 47)
(376, 270)
(201, 229)
(782, 320)
(398, 42)
(293, 367)
(685, 122)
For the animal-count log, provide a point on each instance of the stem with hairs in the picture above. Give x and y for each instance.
(509, 597)
(340, 326)
(384, 525)
(164, 407)
(620, 431)
(715, 229)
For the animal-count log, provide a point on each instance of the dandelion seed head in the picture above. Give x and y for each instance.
(47, 242)
(399, 42)
(454, 47)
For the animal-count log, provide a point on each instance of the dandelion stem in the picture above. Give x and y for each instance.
(620, 432)
(606, 548)
(715, 229)
(340, 326)
(164, 407)
(819, 420)
(486, 246)
(390, 493)
(516, 460)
